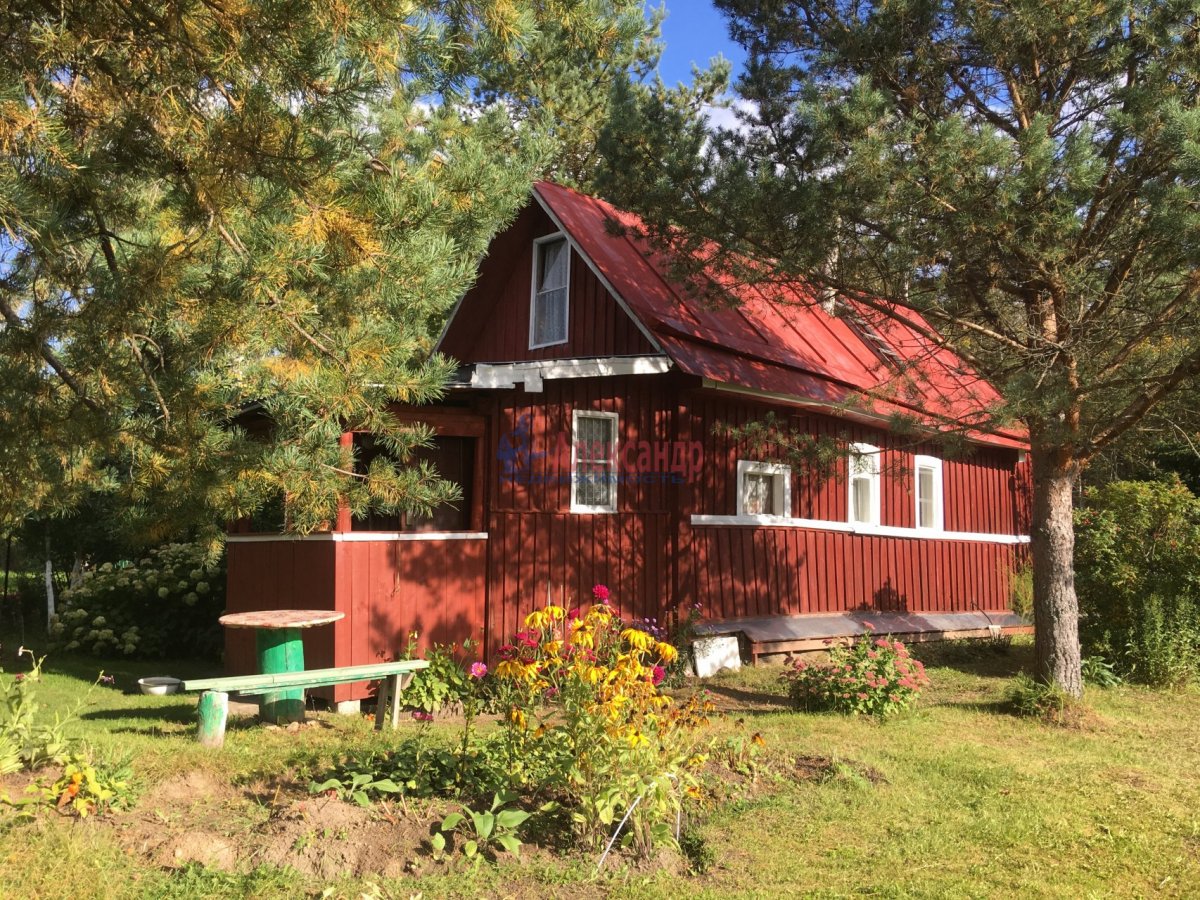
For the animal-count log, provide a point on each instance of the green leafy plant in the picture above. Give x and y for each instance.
(27, 739)
(1137, 563)
(1099, 672)
(169, 599)
(445, 683)
(872, 676)
(86, 788)
(1033, 698)
(485, 831)
(740, 751)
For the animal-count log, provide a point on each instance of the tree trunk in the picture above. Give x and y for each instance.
(49, 584)
(1056, 608)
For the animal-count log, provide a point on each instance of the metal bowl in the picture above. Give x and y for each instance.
(159, 684)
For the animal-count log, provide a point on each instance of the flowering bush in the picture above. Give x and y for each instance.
(874, 676)
(586, 733)
(582, 709)
(162, 605)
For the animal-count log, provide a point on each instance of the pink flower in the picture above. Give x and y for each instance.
(478, 669)
(20, 676)
(882, 642)
(600, 592)
(575, 614)
(422, 716)
(862, 696)
(871, 654)
(868, 626)
(658, 675)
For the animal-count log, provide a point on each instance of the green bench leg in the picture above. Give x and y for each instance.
(214, 712)
(281, 650)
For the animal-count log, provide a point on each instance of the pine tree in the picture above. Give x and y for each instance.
(1025, 175)
(206, 206)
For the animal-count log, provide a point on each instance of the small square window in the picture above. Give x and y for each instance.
(594, 462)
(864, 484)
(763, 489)
(551, 280)
(927, 475)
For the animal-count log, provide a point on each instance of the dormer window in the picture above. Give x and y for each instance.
(548, 305)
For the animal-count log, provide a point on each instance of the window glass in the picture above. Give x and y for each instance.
(593, 487)
(549, 313)
(864, 484)
(928, 490)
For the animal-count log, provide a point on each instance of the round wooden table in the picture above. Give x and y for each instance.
(281, 649)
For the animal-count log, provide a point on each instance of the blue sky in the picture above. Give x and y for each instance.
(693, 32)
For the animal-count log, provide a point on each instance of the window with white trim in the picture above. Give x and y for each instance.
(863, 467)
(927, 488)
(763, 489)
(548, 305)
(594, 462)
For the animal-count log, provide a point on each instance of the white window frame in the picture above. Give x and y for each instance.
(939, 507)
(874, 454)
(781, 486)
(576, 415)
(533, 290)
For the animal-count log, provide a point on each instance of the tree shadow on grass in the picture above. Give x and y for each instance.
(730, 699)
(175, 713)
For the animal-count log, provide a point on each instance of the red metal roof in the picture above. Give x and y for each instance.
(776, 339)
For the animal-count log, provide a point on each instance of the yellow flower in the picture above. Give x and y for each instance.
(545, 618)
(517, 717)
(636, 738)
(637, 639)
(552, 648)
(511, 668)
(666, 652)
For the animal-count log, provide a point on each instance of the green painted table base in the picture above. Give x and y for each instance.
(281, 650)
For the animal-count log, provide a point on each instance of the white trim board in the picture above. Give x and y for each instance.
(855, 528)
(531, 374)
(359, 536)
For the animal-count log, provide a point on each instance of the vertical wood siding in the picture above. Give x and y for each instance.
(387, 589)
(536, 542)
(748, 571)
(493, 322)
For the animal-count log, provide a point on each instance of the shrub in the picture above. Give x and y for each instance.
(582, 709)
(586, 733)
(873, 676)
(1137, 564)
(166, 604)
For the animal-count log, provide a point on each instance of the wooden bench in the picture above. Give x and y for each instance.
(214, 701)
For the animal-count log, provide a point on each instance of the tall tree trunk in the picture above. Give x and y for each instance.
(1056, 607)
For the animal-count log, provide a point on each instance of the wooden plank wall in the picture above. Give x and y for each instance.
(493, 320)
(746, 571)
(534, 538)
(742, 570)
(389, 589)
(285, 574)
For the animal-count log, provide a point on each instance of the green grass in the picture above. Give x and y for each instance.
(976, 801)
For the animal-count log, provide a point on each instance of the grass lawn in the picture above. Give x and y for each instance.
(958, 798)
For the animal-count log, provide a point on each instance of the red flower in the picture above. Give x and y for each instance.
(658, 675)
(600, 592)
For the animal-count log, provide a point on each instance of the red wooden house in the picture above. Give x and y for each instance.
(588, 431)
